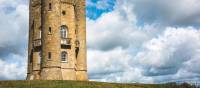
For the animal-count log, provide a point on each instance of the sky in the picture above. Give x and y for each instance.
(145, 41)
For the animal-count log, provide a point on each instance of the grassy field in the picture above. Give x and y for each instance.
(79, 84)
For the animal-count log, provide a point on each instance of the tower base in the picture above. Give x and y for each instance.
(51, 74)
(81, 75)
(69, 74)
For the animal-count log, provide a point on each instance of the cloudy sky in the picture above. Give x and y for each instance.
(147, 41)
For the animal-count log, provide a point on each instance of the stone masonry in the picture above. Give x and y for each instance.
(57, 40)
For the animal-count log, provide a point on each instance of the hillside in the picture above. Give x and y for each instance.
(79, 84)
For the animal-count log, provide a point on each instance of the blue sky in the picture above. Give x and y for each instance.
(96, 8)
(146, 41)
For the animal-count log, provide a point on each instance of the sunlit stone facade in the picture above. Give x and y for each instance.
(57, 40)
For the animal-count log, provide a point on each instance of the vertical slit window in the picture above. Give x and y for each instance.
(32, 26)
(50, 6)
(40, 34)
(49, 55)
(40, 57)
(49, 30)
(31, 56)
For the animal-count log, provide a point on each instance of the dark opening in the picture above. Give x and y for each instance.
(32, 26)
(31, 56)
(49, 30)
(49, 55)
(65, 46)
(63, 13)
(76, 51)
(50, 7)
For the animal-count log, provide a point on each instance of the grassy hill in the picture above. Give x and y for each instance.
(79, 84)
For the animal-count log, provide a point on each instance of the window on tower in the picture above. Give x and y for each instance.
(32, 26)
(49, 55)
(40, 57)
(50, 6)
(65, 40)
(31, 56)
(63, 13)
(63, 32)
(40, 35)
(64, 56)
(49, 30)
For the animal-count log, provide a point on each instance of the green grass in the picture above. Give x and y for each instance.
(83, 84)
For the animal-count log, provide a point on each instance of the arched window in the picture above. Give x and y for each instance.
(63, 56)
(63, 32)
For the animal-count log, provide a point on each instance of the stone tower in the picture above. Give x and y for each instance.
(57, 40)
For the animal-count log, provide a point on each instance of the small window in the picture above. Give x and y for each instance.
(32, 26)
(49, 55)
(49, 30)
(77, 51)
(63, 32)
(31, 56)
(63, 56)
(77, 43)
(63, 13)
(40, 57)
(40, 34)
(50, 7)
(76, 31)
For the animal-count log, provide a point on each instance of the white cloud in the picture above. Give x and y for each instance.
(110, 40)
(148, 53)
(168, 12)
(106, 60)
(14, 34)
(161, 59)
(172, 51)
(113, 66)
(117, 28)
(14, 30)
(13, 69)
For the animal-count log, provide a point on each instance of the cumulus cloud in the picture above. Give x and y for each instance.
(13, 30)
(173, 51)
(117, 28)
(13, 42)
(105, 61)
(116, 37)
(168, 12)
(13, 70)
(113, 66)
(162, 49)
(173, 55)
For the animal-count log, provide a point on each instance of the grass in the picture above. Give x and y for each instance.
(84, 84)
